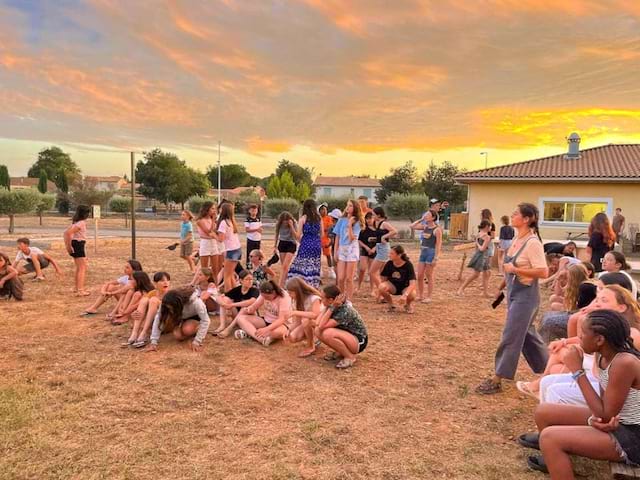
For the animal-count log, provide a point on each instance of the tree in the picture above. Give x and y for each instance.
(166, 178)
(122, 205)
(195, 203)
(299, 173)
(403, 179)
(47, 202)
(233, 175)
(63, 203)
(275, 206)
(283, 186)
(54, 161)
(5, 179)
(439, 182)
(409, 206)
(90, 196)
(42, 181)
(14, 202)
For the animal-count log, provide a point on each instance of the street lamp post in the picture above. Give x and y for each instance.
(219, 175)
(486, 158)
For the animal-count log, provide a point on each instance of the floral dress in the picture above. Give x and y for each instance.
(307, 262)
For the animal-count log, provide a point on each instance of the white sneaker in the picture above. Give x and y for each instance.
(267, 341)
(332, 274)
(240, 334)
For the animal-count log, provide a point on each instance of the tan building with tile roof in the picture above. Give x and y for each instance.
(568, 188)
(346, 186)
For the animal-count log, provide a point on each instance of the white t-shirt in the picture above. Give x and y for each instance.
(255, 236)
(22, 256)
(123, 280)
(231, 239)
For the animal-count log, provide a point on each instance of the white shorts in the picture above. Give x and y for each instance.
(208, 247)
(349, 253)
(221, 248)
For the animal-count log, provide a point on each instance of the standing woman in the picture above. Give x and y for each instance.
(228, 233)
(601, 239)
(75, 240)
(506, 238)
(285, 244)
(430, 248)
(488, 216)
(208, 238)
(309, 232)
(327, 226)
(386, 231)
(368, 240)
(347, 248)
(524, 265)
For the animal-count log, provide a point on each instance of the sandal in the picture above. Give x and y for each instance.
(530, 440)
(536, 462)
(307, 353)
(523, 387)
(409, 309)
(332, 356)
(128, 343)
(139, 343)
(426, 300)
(86, 313)
(118, 322)
(488, 387)
(345, 363)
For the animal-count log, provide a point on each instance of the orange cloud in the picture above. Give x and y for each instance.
(403, 76)
(257, 145)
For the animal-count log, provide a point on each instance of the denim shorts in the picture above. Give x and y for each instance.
(427, 255)
(382, 252)
(234, 255)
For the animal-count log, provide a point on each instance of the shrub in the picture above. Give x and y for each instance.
(275, 206)
(14, 202)
(333, 202)
(194, 204)
(90, 196)
(47, 202)
(409, 206)
(120, 204)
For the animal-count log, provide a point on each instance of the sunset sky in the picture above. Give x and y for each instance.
(345, 87)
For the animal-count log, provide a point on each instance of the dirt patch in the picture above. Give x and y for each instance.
(73, 404)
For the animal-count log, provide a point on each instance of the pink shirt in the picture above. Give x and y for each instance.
(81, 234)
(208, 223)
(231, 239)
(271, 308)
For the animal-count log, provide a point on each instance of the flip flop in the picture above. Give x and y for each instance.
(523, 387)
(345, 363)
(88, 314)
(306, 353)
(530, 440)
(536, 462)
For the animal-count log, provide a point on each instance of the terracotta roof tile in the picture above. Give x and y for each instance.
(608, 162)
(346, 182)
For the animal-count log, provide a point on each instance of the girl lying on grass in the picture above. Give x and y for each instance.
(114, 289)
(183, 313)
(147, 310)
(306, 309)
(276, 309)
(341, 328)
(10, 283)
(140, 286)
(233, 301)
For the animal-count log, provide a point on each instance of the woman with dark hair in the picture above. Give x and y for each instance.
(275, 305)
(609, 427)
(385, 232)
(480, 262)
(327, 239)
(398, 278)
(285, 245)
(183, 313)
(228, 233)
(75, 240)
(524, 264)
(368, 240)
(307, 262)
(10, 283)
(233, 301)
(347, 248)
(601, 239)
(115, 288)
(430, 248)
(140, 286)
(486, 214)
(615, 262)
(148, 308)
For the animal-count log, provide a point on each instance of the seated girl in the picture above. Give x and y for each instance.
(398, 278)
(259, 270)
(147, 309)
(114, 289)
(183, 313)
(276, 309)
(10, 283)
(306, 309)
(140, 287)
(206, 289)
(615, 262)
(608, 428)
(233, 301)
(341, 328)
(566, 293)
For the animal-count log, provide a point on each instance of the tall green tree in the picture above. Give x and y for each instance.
(55, 161)
(232, 175)
(5, 180)
(14, 202)
(42, 181)
(403, 179)
(189, 182)
(439, 182)
(283, 186)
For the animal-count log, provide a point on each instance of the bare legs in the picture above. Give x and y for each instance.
(229, 270)
(346, 271)
(285, 261)
(363, 267)
(80, 276)
(251, 324)
(345, 344)
(374, 275)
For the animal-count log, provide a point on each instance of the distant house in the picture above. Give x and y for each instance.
(569, 188)
(21, 183)
(106, 184)
(346, 186)
(233, 193)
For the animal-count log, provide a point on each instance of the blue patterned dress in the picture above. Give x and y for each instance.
(307, 263)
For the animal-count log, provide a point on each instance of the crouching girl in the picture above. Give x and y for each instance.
(147, 310)
(307, 303)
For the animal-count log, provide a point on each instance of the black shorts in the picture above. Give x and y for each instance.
(399, 287)
(78, 247)
(252, 245)
(362, 341)
(285, 246)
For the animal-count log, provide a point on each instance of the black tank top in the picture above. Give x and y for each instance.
(429, 237)
(381, 231)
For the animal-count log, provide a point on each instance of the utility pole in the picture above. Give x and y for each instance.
(219, 174)
(133, 205)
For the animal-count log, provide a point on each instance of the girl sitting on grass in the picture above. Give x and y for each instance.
(75, 240)
(183, 313)
(10, 283)
(148, 308)
(276, 309)
(480, 262)
(140, 286)
(566, 292)
(398, 279)
(614, 262)
(114, 289)
(306, 309)
(233, 301)
(341, 328)
(259, 270)
(205, 285)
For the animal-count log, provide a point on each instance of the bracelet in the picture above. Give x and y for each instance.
(590, 420)
(577, 374)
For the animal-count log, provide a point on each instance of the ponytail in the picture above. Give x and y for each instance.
(399, 249)
(530, 211)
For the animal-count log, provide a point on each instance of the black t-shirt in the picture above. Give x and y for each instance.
(493, 230)
(369, 237)
(236, 294)
(598, 249)
(399, 277)
(554, 248)
(507, 232)
(587, 292)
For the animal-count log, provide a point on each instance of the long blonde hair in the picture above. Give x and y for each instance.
(624, 297)
(577, 274)
(302, 290)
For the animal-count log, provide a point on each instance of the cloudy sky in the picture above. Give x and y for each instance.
(345, 87)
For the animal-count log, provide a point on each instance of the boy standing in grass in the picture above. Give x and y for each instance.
(33, 260)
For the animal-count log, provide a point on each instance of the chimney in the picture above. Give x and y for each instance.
(574, 147)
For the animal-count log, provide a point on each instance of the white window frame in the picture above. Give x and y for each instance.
(542, 200)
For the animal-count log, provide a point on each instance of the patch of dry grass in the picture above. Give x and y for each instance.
(73, 404)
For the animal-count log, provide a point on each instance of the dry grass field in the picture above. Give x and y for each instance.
(75, 405)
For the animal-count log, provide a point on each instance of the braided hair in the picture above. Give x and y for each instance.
(615, 330)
